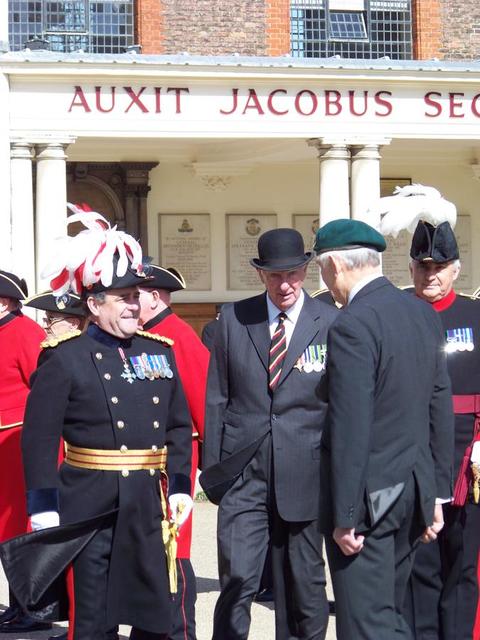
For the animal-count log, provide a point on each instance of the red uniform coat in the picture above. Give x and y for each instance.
(192, 362)
(20, 339)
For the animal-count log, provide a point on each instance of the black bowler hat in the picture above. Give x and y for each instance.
(281, 250)
(344, 234)
(169, 279)
(434, 244)
(68, 305)
(11, 286)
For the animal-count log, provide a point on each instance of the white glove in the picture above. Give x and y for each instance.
(44, 520)
(180, 506)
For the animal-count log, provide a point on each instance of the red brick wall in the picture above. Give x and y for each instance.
(212, 27)
(278, 27)
(427, 29)
(149, 25)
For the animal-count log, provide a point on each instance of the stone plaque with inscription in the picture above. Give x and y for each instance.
(307, 225)
(185, 244)
(243, 232)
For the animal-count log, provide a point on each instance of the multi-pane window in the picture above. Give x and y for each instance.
(351, 28)
(95, 26)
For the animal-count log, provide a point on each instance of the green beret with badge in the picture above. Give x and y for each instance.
(345, 234)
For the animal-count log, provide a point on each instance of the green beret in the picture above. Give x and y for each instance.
(348, 234)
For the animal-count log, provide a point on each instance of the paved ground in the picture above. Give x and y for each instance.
(205, 564)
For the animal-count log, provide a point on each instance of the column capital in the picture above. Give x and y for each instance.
(51, 151)
(367, 151)
(330, 150)
(22, 150)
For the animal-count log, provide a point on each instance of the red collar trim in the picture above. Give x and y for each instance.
(446, 302)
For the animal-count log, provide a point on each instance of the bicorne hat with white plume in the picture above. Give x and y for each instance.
(425, 213)
(97, 259)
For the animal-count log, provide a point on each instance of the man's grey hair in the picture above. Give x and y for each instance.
(353, 258)
(456, 263)
(99, 297)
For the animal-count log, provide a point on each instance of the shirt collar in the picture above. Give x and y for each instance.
(105, 338)
(158, 318)
(292, 313)
(362, 283)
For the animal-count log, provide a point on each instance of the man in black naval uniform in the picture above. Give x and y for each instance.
(443, 593)
(114, 395)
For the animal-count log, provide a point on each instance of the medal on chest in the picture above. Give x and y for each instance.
(150, 366)
(314, 358)
(459, 340)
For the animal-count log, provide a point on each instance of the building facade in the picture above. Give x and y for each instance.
(235, 117)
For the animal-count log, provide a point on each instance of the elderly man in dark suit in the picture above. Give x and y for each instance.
(264, 416)
(386, 448)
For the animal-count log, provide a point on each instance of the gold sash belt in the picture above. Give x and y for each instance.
(116, 459)
(10, 426)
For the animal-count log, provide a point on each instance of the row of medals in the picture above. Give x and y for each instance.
(147, 367)
(312, 359)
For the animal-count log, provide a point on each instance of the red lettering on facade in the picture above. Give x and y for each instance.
(234, 105)
(382, 102)
(178, 94)
(475, 110)
(135, 99)
(271, 108)
(158, 91)
(253, 103)
(333, 105)
(82, 101)
(351, 102)
(299, 99)
(433, 103)
(98, 100)
(454, 105)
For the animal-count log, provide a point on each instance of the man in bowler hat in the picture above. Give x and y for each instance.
(386, 447)
(443, 589)
(264, 417)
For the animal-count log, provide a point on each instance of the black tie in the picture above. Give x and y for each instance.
(278, 350)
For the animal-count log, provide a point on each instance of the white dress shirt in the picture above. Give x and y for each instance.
(292, 316)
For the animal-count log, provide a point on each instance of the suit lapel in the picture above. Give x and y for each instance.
(303, 334)
(258, 331)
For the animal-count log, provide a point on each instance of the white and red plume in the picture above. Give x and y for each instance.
(409, 205)
(83, 260)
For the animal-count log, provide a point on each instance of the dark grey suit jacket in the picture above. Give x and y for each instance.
(240, 407)
(390, 408)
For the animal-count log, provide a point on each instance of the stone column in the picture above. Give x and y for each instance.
(334, 188)
(365, 189)
(51, 203)
(21, 206)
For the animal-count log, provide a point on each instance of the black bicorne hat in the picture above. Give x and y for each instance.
(434, 244)
(281, 250)
(159, 278)
(11, 286)
(69, 304)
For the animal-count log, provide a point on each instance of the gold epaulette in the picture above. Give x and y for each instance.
(318, 292)
(154, 336)
(471, 296)
(54, 341)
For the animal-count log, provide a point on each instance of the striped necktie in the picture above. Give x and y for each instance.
(278, 350)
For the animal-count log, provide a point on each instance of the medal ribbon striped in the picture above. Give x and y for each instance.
(278, 351)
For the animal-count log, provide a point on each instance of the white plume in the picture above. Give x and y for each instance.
(410, 204)
(82, 260)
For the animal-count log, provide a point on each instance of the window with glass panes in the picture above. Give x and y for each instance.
(94, 26)
(351, 28)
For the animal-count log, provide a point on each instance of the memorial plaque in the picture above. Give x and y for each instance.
(243, 232)
(185, 244)
(307, 225)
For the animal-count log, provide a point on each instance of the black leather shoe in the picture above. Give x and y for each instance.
(265, 595)
(9, 614)
(63, 636)
(24, 624)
